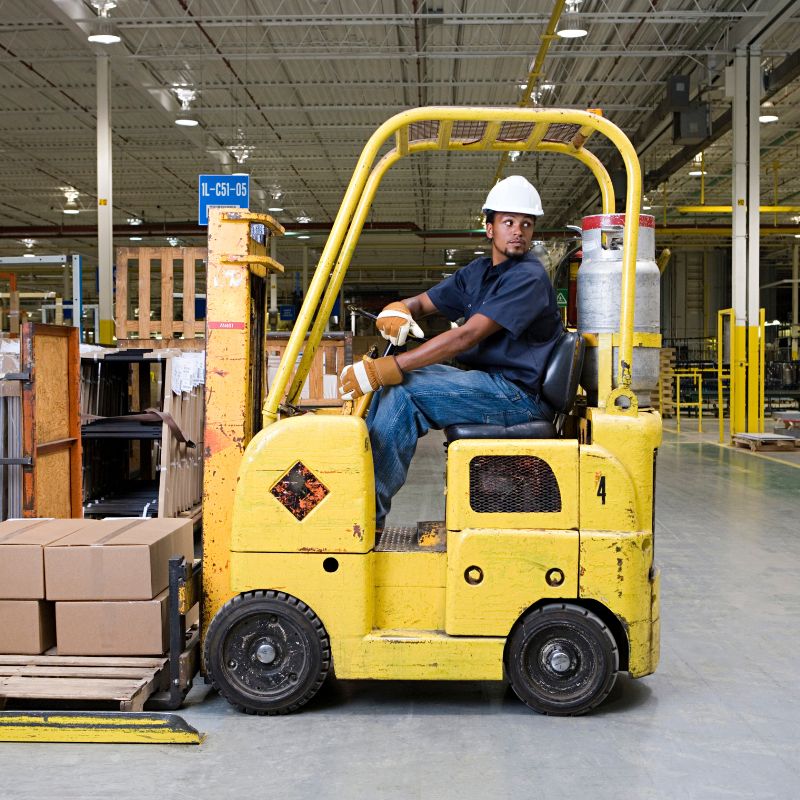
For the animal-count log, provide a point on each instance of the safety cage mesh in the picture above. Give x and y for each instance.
(512, 485)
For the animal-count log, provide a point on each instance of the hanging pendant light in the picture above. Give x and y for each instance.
(570, 25)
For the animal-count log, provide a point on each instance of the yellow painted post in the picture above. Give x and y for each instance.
(761, 367)
(678, 403)
(233, 257)
(699, 381)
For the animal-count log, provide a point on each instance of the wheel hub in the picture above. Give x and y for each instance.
(559, 660)
(266, 653)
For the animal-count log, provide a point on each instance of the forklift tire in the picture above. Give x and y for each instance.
(267, 652)
(561, 660)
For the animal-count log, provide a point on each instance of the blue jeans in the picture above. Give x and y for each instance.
(435, 397)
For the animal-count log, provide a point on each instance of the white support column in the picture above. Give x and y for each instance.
(273, 284)
(795, 293)
(105, 207)
(746, 377)
(740, 188)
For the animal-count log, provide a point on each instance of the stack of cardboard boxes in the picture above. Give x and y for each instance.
(91, 587)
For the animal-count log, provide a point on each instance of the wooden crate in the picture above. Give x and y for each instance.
(333, 354)
(124, 682)
(662, 399)
(179, 268)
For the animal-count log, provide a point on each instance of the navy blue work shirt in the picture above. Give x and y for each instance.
(516, 294)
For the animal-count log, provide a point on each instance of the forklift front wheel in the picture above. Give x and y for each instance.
(267, 652)
(562, 660)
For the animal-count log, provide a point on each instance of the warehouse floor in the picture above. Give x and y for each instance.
(718, 719)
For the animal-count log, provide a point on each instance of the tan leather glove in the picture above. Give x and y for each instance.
(369, 375)
(395, 323)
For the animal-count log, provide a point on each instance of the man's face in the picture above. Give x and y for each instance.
(511, 235)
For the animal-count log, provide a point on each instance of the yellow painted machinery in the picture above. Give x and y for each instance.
(541, 572)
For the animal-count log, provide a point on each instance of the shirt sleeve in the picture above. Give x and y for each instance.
(521, 295)
(448, 296)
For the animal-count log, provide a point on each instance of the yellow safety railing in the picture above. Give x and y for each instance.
(459, 129)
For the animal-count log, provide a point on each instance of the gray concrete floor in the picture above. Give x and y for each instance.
(718, 720)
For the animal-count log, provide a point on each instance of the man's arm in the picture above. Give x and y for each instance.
(420, 306)
(447, 344)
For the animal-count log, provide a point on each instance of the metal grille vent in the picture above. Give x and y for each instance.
(512, 485)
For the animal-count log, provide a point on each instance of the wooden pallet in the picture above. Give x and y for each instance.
(125, 682)
(168, 269)
(661, 398)
(765, 442)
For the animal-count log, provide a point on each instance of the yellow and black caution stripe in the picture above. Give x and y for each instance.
(96, 727)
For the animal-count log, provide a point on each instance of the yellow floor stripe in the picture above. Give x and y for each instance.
(96, 727)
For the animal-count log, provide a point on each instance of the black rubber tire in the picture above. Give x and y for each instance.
(295, 633)
(561, 631)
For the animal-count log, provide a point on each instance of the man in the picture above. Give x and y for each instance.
(511, 325)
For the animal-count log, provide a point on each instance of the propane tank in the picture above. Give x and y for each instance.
(600, 297)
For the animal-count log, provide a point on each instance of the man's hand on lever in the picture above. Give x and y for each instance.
(369, 375)
(395, 323)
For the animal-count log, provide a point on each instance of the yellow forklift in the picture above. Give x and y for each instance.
(542, 571)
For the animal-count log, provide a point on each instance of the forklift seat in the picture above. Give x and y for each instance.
(559, 387)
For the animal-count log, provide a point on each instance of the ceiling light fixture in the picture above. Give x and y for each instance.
(186, 96)
(303, 218)
(134, 221)
(71, 196)
(135, 238)
(241, 150)
(29, 243)
(275, 208)
(303, 236)
(697, 173)
(102, 30)
(514, 154)
(173, 241)
(479, 252)
(767, 113)
(570, 25)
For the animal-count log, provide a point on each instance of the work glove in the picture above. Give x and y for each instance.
(395, 323)
(368, 375)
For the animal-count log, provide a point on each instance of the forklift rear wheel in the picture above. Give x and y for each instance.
(562, 660)
(267, 652)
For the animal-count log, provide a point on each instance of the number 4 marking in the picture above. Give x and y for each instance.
(601, 489)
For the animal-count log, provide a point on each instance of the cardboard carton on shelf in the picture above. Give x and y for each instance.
(22, 543)
(116, 559)
(27, 627)
(113, 628)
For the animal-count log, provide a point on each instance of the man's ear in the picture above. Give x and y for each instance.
(489, 230)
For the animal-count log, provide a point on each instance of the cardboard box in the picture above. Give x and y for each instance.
(27, 627)
(22, 543)
(116, 559)
(113, 628)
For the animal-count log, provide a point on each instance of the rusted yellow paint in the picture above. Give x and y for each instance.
(560, 454)
(409, 590)
(343, 599)
(420, 655)
(336, 450)
(608, 497)
(513, 566)
(228, 423)
(615, 570)
(632, 441)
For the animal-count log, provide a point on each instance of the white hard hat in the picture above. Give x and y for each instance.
(516, 195)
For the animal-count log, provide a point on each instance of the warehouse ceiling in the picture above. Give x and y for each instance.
(298, 86)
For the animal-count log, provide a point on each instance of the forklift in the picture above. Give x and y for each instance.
(541, 573)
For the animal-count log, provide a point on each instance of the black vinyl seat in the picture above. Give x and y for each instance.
(559, 387)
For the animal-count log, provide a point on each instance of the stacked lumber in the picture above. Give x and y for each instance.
(663, 400)
(142, 412)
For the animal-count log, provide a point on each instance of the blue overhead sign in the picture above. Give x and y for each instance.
(222, 190)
